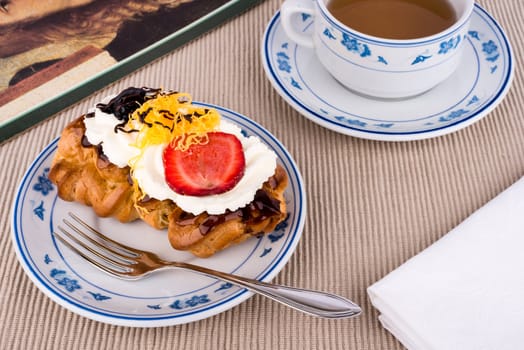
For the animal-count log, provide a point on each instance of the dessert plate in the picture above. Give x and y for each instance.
(479, 84)
(162, 299)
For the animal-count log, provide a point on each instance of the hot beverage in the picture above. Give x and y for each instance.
(394, 19)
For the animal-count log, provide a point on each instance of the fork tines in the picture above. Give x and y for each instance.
(98, 249)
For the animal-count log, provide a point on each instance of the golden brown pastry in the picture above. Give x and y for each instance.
(82, 174)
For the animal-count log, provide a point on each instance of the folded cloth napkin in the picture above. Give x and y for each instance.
(466, 291)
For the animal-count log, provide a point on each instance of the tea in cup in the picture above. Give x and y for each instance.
(383, 48)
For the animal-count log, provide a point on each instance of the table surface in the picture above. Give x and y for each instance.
(371, 205)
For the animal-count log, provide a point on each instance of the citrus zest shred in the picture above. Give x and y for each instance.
(171, 117)
(138, 196)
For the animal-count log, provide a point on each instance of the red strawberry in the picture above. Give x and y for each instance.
(201, 170)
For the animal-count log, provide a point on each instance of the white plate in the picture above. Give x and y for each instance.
(168, 297)
(479, 84)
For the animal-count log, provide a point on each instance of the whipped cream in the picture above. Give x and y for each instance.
(149, 167)
(116, 146)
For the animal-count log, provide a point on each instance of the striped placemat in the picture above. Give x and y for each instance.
(371, 205)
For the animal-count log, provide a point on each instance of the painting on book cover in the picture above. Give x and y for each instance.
(41, 40)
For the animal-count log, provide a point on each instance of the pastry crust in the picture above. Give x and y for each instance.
(82, 174)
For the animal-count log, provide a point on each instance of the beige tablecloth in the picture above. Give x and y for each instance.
(371, 205)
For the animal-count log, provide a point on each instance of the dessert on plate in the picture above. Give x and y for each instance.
(153, 155)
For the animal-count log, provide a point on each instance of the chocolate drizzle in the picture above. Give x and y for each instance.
(125, 103)
(167, 114)
(129, 100)
(261, 208)
(102, 160)
(213, 220)
(85, 142)
(142, 116)
(264, 206)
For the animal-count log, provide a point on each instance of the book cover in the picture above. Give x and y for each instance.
(55, 52)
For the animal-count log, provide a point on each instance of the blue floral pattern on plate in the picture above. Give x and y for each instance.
(485, 76)
(489, 48)
(165, 298)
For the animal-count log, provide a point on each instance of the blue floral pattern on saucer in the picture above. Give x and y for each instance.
(477, 86)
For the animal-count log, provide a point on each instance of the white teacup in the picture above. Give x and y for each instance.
(379, 67)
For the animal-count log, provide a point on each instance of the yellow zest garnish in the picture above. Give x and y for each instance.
(172, 116)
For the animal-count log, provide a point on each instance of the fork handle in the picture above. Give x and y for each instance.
(312, 302)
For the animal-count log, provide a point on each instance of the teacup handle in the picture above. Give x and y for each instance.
(288, 10)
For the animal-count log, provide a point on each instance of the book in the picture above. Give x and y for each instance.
(54, 53)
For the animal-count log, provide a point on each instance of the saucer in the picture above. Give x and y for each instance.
(481, 81)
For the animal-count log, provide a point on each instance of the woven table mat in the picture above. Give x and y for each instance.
(371, 205)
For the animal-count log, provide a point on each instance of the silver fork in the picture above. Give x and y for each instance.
(129, 263)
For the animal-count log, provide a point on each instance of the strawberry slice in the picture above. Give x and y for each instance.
(201, 170)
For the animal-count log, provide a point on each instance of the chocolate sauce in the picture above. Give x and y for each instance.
(185, 215)
(122, 127)
(214, 220)
(186, 219)
(102, 160)
(145, 199)
(163, 125)
(209, 223)
(130, 179)
(127, 101)
(262, 207)
(85, 142)
(167, 114)
(142, 116)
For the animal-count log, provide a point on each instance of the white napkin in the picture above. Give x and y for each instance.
(466, 291)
